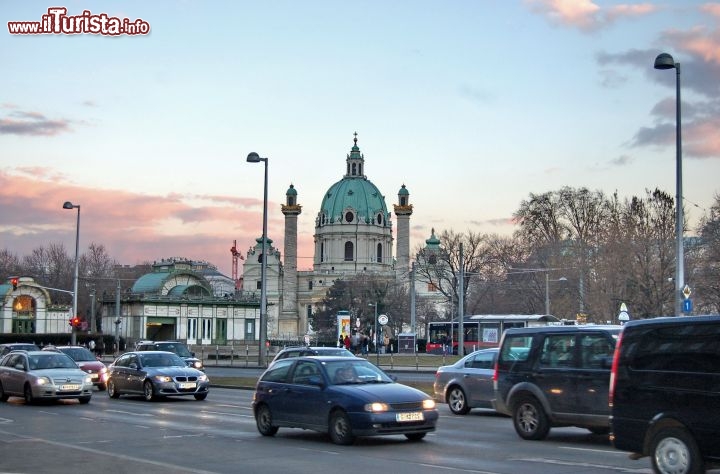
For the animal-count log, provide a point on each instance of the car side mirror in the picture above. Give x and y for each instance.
(192, 354)
(133, 366)
(316, 380)
(19, 366)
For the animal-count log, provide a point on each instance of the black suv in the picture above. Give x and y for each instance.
(555, 376)
(665, 392)
(172, 346)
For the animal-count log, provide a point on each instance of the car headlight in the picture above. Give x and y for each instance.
(197, 364)
(377, 407)
(103, 371)
(43, 381)
(428, 404)
(203, 378)
(88, 380)
(163, 378)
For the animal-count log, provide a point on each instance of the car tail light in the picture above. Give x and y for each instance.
(614, 369)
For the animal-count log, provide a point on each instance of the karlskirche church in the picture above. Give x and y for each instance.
(353, 234)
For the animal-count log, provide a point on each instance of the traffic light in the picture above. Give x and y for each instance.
(75, 322)
(14, 282)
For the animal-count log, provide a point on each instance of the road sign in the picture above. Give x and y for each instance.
(687, 305)
(686, 292)
(383, 319)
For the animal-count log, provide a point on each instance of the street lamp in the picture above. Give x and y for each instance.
(547, 291)
(69, 205)
(255, 158)
(377, 348)
(665, 61)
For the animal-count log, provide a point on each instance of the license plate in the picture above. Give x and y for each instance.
(186, 385)
(412, 416)
(94, 376)
(70, 386)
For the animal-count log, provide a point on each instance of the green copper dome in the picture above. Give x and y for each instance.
(354, 199)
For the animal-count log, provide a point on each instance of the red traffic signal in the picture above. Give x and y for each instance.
(75, 322)
(14, 282)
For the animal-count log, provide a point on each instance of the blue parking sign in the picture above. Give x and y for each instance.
(687, 305)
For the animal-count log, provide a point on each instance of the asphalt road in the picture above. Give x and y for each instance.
(218, 435)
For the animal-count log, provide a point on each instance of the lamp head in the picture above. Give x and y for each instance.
(253, 158)
(664, 61)
(68, 205)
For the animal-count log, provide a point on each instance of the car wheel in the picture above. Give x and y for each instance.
(84, 400)
(674, 451)
(112, 390)
(28, 395)
(201, 396)
(457, 401)
(263, 420)
(530, 419)
(415, 436)
(148, 392)
(3, 396)
(340, 428)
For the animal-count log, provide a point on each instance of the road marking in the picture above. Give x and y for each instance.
(123, 412)
(603, 451)
(584, 465)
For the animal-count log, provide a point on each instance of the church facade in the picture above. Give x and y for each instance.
(353, 234)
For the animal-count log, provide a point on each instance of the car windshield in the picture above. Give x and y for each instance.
(79, 354)
(177, 348)
(161, 360)
(51, 361)
(357, 371)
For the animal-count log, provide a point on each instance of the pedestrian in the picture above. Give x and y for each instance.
(101, 347)
(346, 342)
(341, 341)
(91, 345)
(364, 345)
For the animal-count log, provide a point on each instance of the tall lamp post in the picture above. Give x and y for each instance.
(665, 61)
(69, 205)
(547, 291)
(375, 336)
(255, 158)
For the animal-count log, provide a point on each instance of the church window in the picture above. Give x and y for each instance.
(260, 258)
(379, 219)
(291, 200)
(379, 253)
(432, 259)
(403, 201)
(258, 285)
(349, 216)
(310, 285)
(349, 251)
(354, 169)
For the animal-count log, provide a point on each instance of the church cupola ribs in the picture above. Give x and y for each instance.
(355, 161)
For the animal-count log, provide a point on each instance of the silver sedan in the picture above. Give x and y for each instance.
(468, 383)
(43, 375)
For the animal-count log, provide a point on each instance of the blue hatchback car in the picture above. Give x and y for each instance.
(342, 396)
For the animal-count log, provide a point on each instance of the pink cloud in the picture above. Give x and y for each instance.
(135, 228)
(586, 15)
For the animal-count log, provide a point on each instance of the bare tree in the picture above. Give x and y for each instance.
(9, 264)
(707, 261)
